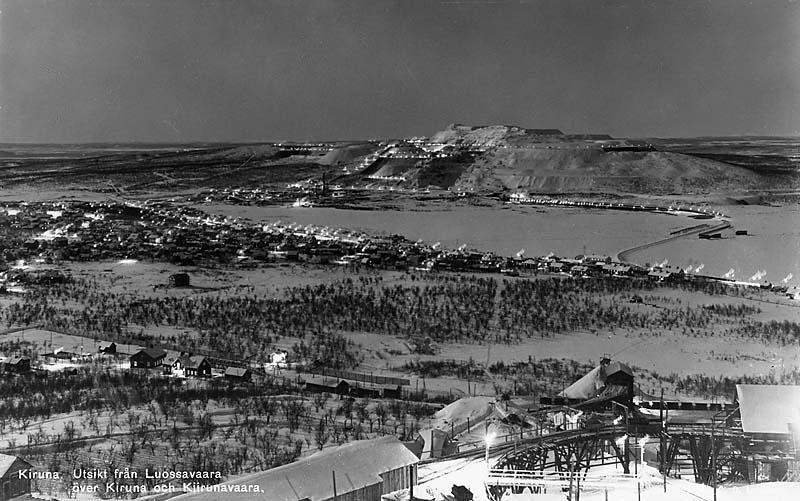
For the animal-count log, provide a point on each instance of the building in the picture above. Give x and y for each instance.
(617, 269)
(770, 420)
(148, 358)
(277, 359)
(660, 275)
(179, 280)
(611, 380)
(11, 485)
(191, 366)
(359, 471)
(579, 270)
(17, 365)
(238, 374)
(768, 410)
(108, 349)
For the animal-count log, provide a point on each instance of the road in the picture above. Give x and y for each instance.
(624, 255)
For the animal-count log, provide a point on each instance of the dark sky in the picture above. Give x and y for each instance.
(192, 70)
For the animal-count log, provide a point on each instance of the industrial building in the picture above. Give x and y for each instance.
(359, 471)
(770, 421)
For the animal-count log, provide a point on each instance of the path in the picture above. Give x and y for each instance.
(623, 256)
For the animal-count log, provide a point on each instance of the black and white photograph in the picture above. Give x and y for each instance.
(400, 250)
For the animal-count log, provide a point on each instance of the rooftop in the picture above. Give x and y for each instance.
(6, 461)
(768, 408)
(153, 353)
(356, 465)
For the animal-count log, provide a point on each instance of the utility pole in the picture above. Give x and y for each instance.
(713, 461)
(411, 482)
(663, 441)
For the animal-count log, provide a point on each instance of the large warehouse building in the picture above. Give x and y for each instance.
(358, 471)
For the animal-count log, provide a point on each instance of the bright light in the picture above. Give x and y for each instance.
(621, 440)
(617, 420)
(489, 438)
(643, 440)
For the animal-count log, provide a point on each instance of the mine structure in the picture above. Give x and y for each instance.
(605, 419)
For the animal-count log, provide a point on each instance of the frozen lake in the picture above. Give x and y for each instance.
(773, 245)
(539, 230)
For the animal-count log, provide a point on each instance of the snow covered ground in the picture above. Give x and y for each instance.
(474, 408)
(437, 479)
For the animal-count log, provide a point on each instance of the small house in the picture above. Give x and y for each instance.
(277, 359)
(238, 374)
(108, 349)
(13, 481)
(179, 280)
(191, 366)
(148, 358)
(660, 275)
(17, 365)
(579, 271)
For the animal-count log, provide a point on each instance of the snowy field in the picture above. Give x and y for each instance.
(437, 479)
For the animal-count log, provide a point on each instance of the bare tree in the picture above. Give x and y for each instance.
(321, 433)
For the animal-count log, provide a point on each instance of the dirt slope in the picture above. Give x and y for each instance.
(549, 161)
(575, 169)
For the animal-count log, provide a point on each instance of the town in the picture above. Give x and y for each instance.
(178, 358)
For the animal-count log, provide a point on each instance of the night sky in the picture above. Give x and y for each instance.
(190, 70)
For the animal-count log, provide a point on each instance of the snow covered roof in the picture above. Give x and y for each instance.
(586, 387)
(614, 367)
(153, 353)
(768, 408)
(589, 386)
(236, 371)
(192, 362)
(356, 465)
(7, 461)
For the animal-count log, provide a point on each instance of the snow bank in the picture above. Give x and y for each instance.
(474, 408)
(437, 479)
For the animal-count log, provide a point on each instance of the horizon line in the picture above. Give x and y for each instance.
(273, 141)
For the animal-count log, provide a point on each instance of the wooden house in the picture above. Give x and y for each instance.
(148, 358)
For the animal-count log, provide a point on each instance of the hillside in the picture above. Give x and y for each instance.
(566, 168)
(482, 159)
(547, 160)
(489, 136)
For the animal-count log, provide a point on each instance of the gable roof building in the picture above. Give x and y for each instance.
(364, 470)
(191, 365)
(148, 358)
(11, 483)
(768, 409)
